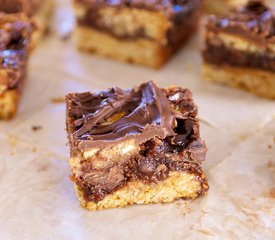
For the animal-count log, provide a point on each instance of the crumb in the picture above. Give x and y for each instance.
(58, 100)
(42, 168)
(205, 232)
(34, 149)
(12, 142)
(243, 138)
(12, 153)
(36, 128)
(49, 154)
(271, 167)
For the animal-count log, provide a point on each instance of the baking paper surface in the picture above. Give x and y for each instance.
(37, 199)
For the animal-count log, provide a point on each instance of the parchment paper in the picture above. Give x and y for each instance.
(37, 200)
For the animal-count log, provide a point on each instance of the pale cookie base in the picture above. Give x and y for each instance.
(140, 51)
(221, 6)
(257, 81)
(177, 185)
(129, 20)
(42, 19)
(8, 104)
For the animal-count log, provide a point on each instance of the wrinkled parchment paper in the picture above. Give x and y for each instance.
(37, 200)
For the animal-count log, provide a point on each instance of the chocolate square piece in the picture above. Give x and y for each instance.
(135, 31)
(240, 49)
(15, 42)
(39, 10)
(136, 146)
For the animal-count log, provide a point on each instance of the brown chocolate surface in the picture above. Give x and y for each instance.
(15, 34)
(254, 22)
(147, 114)
(29, 7)
(184, 15)
(154, 163)
(221, 55)
(163, 122)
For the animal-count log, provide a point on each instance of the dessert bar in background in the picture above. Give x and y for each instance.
(221, 6)
(39, 10)
(136, 146)
(141, 32)
(15, 44)
(240, 49)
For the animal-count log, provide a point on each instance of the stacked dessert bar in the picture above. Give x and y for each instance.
(240, 49)
(15, 43)
(142, 32)
(135, 146)
(39, 10)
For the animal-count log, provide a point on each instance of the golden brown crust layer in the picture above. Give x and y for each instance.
(8, 104)
(256, 81)
(178, 185)
(140, 51)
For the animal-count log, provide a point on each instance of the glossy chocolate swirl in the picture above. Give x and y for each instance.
(255, 21)
(145, 113)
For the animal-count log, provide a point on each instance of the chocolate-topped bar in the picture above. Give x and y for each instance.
(142, 32)
(240, 49)
(15, 43)
(39, 10)
(136, 146)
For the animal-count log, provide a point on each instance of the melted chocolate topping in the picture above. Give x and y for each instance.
(147, 113)
(223, 55)
(15, 34)
(255, 21)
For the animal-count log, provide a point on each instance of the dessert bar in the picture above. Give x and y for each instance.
(240, 49)
(39, 10)
(141, 32)
(15, 42)
(136, 146)
(219, 7)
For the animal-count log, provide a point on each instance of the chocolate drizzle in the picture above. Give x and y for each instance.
(147, 114)
(255, 22)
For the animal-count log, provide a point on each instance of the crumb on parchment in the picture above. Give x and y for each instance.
(36, 128)
(58, 100)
